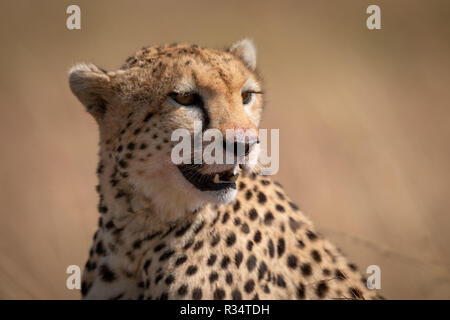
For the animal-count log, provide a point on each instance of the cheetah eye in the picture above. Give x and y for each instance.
(185, 99)
(246, 97)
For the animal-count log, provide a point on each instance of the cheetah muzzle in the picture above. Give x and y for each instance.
(218, 181)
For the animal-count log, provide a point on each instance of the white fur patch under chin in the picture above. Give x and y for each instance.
(224, 197)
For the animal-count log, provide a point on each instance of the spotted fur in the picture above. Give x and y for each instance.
(160, 238)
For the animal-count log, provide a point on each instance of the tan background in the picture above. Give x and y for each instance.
(364, 120)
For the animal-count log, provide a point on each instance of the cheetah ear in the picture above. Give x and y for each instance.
(246, 51)
(91, 85)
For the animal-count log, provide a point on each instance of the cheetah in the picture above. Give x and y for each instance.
(168, 231)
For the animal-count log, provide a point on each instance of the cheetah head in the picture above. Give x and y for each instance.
(157, 91)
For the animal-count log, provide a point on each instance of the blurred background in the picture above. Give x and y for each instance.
(364, 119)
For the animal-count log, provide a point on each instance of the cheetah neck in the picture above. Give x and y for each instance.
(125, 208)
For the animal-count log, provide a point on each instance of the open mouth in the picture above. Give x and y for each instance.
(211, 181)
